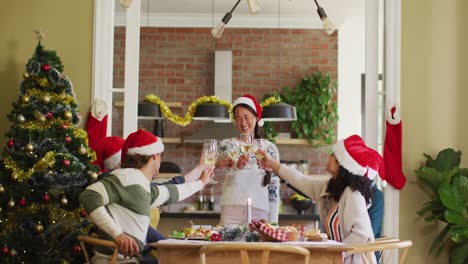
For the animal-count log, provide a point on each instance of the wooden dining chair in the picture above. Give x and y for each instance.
(385, 245)
(244, 248)
(104, 243)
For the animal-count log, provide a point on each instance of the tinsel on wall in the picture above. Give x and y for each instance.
(46, 164)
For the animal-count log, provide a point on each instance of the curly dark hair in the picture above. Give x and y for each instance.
(337, 185)
(136, 161)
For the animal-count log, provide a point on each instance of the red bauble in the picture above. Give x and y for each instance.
(83, 213)
(5, 250)
(67, 139)
(46, 67)
(46, 198)
(64, 126)
(11, 143)
(66, 162)
(22, 201)
(50, 115)
(76, 248)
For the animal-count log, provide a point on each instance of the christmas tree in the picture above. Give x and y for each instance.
(47, 163)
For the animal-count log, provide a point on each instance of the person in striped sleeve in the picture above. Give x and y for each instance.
(344, 198)
(119, 204)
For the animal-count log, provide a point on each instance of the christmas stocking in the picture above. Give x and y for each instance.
(392, 149)
(97, 123)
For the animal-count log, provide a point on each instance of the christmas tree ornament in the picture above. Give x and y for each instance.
(46, 67)
(46, 98)
(12, 252)
(93, 176)
(66, 162)
(20, 118)
(49, 115)
(2, 189)
(83, 213)
(25, 75)
(29, 147)
(22, 202)
(82, 150)
(46, 198)
(68, 139)
(76, 248)
(67, 115)
(25, 99)
(64, 126)
(64, 201)
(11, 143)
(11, 203)
(39, 227)
(14, 177)
(5, 250)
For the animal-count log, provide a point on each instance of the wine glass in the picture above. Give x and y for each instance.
(209, 154)
(233, 150)
(245, 140)
(259, 145)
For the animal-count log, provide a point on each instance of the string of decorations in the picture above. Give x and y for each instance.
(46, 98)
(188, 117)
(48, 161)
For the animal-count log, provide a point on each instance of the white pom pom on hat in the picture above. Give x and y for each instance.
(250, 100)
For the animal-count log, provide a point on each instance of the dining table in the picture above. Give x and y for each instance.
(186, 251)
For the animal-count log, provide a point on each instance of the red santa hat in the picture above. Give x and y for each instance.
(354, 155)
(249, 100)
(108, 152)
(142, 142)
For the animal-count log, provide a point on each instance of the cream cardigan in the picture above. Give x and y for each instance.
(355, 226)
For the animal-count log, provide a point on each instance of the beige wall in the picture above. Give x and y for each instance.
(70, 25)
(433, 93)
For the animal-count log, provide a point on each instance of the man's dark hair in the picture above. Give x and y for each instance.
(135, 161)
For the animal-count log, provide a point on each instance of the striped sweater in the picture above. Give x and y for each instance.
(121, 202)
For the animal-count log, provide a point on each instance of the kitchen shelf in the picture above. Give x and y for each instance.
(213, 215)
(172, 140)
(168, 104)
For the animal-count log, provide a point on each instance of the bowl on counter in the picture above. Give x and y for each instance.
(301, 205)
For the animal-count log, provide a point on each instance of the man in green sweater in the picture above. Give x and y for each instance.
(120, 203)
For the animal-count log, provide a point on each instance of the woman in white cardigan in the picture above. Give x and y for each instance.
(342, 200)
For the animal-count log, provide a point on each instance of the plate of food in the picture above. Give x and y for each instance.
(315, 235)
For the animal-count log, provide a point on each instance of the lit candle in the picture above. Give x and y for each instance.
(248, 215)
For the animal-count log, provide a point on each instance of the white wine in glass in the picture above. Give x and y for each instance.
(210, 153)
(246, 143)
(259, 145)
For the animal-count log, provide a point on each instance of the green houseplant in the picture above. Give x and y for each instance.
(316, 107)
(447, 185)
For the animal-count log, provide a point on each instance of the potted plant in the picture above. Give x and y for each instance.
(316, 109)
(447, 185)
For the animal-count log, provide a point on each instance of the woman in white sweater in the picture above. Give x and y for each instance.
(342, 200)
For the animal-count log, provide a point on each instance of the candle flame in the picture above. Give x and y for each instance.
(249, 201)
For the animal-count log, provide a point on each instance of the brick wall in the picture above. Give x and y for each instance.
(176, 64)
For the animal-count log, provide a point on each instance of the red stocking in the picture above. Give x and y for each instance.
(392, 150)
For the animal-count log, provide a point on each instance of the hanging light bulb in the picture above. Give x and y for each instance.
(217, 31)
(327, 25)
(253, 6)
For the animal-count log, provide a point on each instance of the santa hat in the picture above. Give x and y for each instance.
(249, 100)
(142, 142)
(109, 152)
(354, 155)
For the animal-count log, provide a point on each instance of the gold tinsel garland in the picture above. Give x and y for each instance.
(56, 214)
(185, 120)
(77, 132)
(62, 98)
(48, 161)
